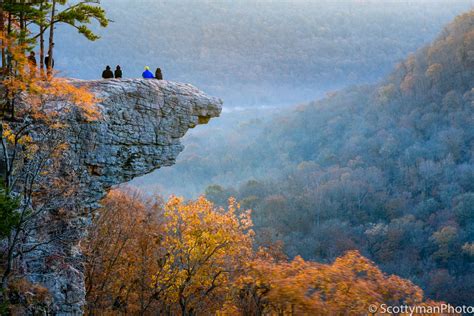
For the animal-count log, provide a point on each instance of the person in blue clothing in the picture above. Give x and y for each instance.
(147, 74)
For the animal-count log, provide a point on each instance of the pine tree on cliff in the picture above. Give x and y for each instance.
(78, 15)
(25, 160)
(46, 15)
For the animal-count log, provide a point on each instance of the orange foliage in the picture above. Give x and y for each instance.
(348, 286)
(187, 258)
(35, 102)
(29, 296)
(40, 97)
(179, 257)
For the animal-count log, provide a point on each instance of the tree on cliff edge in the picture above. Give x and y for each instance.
(36, 176)
(146, 257)
(34, 168)
(45, 16)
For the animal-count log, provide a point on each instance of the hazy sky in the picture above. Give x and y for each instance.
(258, 52)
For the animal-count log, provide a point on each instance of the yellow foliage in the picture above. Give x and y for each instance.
(182, 255)
(38, 92)
(184, 258)
(33, 102)
(346, 287)
(8, 133)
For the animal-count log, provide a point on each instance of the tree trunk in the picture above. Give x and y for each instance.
(41, 56)
(49, 66)
(6, 157)
(41, 40)
(2, 29)
(182, 303)
(9, 23)
(9, 30)
(22, 26)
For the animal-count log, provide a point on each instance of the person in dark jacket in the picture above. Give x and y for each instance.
(32, 63)
(46, 62)
(147, 74)
(107, 73)
(158, 74)
(32, 59)
(118, 72)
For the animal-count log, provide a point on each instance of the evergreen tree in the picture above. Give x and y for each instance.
(8, 214)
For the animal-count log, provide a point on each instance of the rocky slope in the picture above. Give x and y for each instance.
(139, 131)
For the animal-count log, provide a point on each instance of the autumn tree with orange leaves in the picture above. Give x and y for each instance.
(178, 258)
(35, 169)
(191, 258)
(123, 252)
(346, 287)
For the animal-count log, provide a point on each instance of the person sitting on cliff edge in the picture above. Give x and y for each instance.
(147, 74)
(107, 73)
(158, 74)
(32, 63)
(118, 72)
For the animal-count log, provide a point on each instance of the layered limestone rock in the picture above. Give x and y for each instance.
(140, 128)
(139, 131)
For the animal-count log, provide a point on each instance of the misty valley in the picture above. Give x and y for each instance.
(293, 158)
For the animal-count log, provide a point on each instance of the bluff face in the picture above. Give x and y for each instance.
(138, 131)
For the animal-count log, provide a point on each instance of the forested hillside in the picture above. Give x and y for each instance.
(386, 169)
(336, 207)
(258, 52)
(148, 257)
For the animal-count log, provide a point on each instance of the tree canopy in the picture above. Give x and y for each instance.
(145, 256)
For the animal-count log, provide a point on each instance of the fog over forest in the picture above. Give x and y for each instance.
(346, 124)
(386, 168)
(336, 177)
(253, 53)
(374, 37)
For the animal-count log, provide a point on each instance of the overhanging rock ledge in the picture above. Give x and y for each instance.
(139, 130)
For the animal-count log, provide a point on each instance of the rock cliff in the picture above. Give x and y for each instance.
(139, 131)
